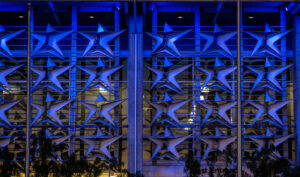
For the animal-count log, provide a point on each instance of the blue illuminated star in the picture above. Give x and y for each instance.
(266, 43)
(52, 116)
(4, 73)
(99, 43)
(216, 42)
(216, 142)
(165, 43)
(219, 73)
(269, 113)
(47, 43)
(220, 109)
(167, 142)
(52, 77)
(103, 78)
(169, 109)
(3, 108)
(168, 78)
(4, 38)
(104, 110)
(269, 75)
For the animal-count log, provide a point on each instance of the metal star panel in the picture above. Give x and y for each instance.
(51, 112)
(100, 43)
(103, 77)
(220, 109)
(47, 43)
(170, 77)
(270, 111)
(218, 74)
(170, 142)
(169, 109)
(52, 77)
(3, 108)
(217, 142)
(4, 73)
(104, 142)
(165, 43)
(104, 110)
(216, 42)
(269, 75)
(4, 38)
(266, 43)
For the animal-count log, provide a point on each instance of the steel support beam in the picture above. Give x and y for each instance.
(297, 83)
(72, 83)
(29, 92)
(239, 94)
(135, 93)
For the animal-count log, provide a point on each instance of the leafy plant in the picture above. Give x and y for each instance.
(8, 167)
(192, 167)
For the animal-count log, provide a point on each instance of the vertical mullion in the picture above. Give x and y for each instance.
(197, 77)
(29, 92)
(72, 83)
(239, 122)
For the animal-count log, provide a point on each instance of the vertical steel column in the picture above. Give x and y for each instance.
(72, 83)
(297, 83)
(197, 77)
(284, 84)
(135, 93)
(239, 121)
(118, 144)
(29, 92)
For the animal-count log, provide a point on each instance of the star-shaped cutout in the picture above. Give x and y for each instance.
(104, 110)
(167, 141)
(51, 113)
(52, 77)
(170, 110)
(216, 42)
(269, 111)
(266, 43)
(220, 110)
(103, 77)
(100, 43)
(269, 75)
(217, 142)
(168, 78)
(47, 42)
(165, 43)
(4, 73)
(269, 139)
(4, 38)
(219, 74)
(3, 108)
(103, 143)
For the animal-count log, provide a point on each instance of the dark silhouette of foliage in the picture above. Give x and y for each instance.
(8, 166)
(192, 166)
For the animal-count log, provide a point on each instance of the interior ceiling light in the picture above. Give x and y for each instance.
(21, 16)
(91, 17)
(180, 16)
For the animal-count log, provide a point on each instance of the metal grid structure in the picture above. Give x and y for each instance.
(70, 92)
